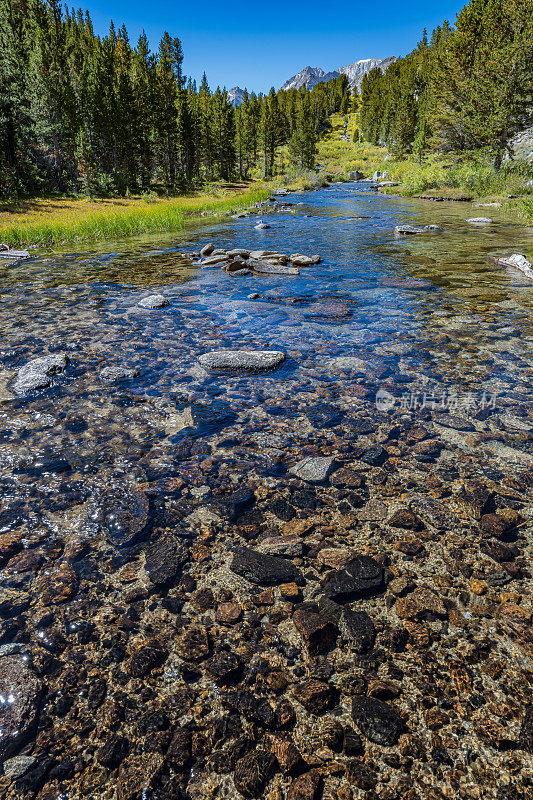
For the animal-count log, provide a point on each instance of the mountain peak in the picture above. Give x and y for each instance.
(235, 96)
(310, 76)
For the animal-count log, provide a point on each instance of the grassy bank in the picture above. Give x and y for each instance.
(60, 221)
(471, 178)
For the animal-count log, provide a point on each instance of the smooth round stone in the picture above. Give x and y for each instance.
(153, 301)
(242, 359)
(480, 221)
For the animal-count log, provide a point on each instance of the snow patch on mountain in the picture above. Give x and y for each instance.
(310, 76)
(236, 96)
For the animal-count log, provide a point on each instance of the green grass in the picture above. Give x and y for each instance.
(70, 221)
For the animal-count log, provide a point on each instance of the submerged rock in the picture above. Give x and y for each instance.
(263, 569)
(20, 690)
(153, 301)
(313, 470)
(112, 374)
(412, 230)
(377, 721)
(125, 514)
(38, 374)
(304, 261)
(253, 772)
(242, 359)
(479, 221)
(360, 577)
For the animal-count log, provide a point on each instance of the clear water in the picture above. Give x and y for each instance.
(430, 315)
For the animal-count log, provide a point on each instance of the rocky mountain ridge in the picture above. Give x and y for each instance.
(310, 76)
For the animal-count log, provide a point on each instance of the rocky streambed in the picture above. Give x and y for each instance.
(268, 535)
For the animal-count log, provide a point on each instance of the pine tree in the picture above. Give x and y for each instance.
(302, 146)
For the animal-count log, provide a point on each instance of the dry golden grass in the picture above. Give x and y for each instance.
(56, 221)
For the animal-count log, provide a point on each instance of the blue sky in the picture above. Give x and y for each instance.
(261, 44)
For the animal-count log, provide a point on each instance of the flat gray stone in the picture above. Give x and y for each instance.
(480, 221)
(286, 546)
(313, 470)
(253, 360)
(38, 374)
(274, 269)
(412, 230)
(111, 374)
(16, 255)
(153, 301)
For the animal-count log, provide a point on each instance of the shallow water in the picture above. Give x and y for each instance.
(105, 487)
(435, 323)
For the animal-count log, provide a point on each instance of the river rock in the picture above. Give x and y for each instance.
(153, 301)
(224, 667)
(480, 221)
(263, 569)
(362, 576)
(125, 514)
(16, 255)
(518, 262)
(315, 696)
(377, 721)
(207, 249)
(526, 731)
(287, 546)
(146, 656)
(261, 226)
(306, 786)
(271, 255)
(253, 772)
(20, 690)
(112, 374)
(318, 632)
(164, 559)
(304, 261)
(114, 749)
(274, 269)
(216, 259)
(238, 251)
(412, 230)
(313, 470)
(17, 766)
(253, 360)
(38, 374)
(357, 628)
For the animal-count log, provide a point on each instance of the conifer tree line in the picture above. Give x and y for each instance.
(465, 88)
(85, 113)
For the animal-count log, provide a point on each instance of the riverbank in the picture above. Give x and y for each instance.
(471, 178)
(54, 222)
